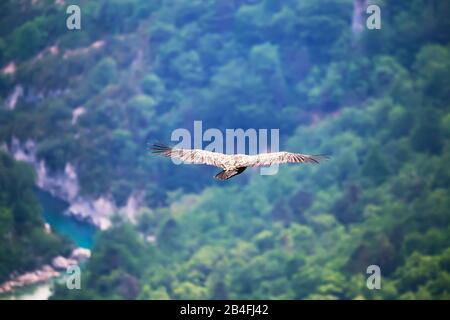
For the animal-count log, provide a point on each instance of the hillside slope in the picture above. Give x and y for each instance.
(376, 100)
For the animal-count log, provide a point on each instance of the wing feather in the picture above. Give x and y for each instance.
(267, 159)
(193, 156)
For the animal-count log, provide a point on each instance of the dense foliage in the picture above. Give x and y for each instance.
(376, 100)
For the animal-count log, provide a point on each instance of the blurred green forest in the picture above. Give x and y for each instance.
(377, 101)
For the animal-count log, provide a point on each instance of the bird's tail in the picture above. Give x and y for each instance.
(227, 174)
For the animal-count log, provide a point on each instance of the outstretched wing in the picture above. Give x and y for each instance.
(193, 156)
(267, 159)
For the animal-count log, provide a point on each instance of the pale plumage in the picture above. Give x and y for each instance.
(233, 164)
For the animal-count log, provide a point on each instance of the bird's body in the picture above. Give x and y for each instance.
(233, 164)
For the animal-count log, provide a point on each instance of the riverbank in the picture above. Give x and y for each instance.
(38, 284)
(41, 291)
(47, 272)
(43, 274)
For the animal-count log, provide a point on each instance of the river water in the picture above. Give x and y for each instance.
(81, 233)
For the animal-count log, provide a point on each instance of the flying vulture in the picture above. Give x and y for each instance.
(233, 164)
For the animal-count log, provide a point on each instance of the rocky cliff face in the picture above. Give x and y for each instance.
(12, 99)
(64, 185)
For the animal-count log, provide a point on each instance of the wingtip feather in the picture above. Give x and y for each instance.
(317, 158)
(160, 148)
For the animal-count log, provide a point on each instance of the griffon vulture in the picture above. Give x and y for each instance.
(233, 164)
